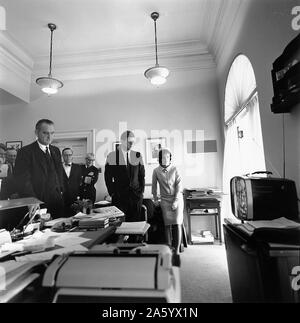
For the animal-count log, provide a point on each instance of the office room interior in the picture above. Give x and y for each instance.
(214, 110)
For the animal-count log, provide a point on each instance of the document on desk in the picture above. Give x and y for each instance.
(47, 255)
(4, 237)
(14, 269)
(109, 211)
(67, 239)
(17, 286)
(139, 227)
(281, 223)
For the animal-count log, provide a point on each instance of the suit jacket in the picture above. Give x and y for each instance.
(122, 181)
(90, 170)
(87, 189)
(31, 172)
(8, 187)
(72, 183)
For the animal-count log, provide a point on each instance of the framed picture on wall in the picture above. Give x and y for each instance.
(153, 145)
(14, 144)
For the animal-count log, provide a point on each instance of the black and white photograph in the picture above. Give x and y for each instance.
(153, 146)
(14, 145)
(149, 153)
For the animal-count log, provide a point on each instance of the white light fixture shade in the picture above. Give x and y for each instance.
(49, 85)
(157, 75)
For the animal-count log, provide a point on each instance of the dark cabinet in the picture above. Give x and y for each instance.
(260, 271)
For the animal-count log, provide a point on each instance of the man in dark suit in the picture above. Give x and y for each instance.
(39, 172)
(11, 155)
(71, 180)
(10, 186)
(125, 178)
(90, 175)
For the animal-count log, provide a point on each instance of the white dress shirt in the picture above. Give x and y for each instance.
(67, 169)
(124, 152)
(43, 147)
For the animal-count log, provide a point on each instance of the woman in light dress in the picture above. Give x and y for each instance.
(169, 180)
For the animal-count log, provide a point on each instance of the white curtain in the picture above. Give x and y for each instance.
(239, 86)
(243, 152)
(251, 144)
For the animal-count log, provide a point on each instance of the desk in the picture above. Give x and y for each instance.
(21, 290)
(205, 206)
(260, 271)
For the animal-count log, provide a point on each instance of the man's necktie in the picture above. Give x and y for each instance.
(10, 170)
(48, 157)
(128, 163)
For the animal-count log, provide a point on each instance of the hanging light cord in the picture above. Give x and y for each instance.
(155, 42)
(50, 66)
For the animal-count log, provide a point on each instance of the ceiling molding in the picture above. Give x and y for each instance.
(226, 16)
(11, 47)
(188, 55)
(15, 68)
(179, 56)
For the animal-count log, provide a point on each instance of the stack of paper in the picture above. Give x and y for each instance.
(109, 211)
(140, 227)
(93, 223)
(51, 223)
(104, 202)
(205, 237)
(280, 223)
(4, 237)
(15, 276)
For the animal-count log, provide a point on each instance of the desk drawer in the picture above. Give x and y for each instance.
(202, 204)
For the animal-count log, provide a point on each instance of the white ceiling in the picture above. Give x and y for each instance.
(94, 35)
(93, 25)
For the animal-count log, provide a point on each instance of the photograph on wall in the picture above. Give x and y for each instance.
(153, 146)
(14, 145)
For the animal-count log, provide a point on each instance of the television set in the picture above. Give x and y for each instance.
(263, 198)
(286, 78)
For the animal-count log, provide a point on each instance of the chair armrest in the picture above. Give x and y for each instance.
(144, 213)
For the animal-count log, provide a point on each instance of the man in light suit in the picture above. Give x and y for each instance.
(39, 172)
(125, 178)
(71, 179)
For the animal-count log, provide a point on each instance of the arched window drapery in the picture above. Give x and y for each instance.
(243, 152)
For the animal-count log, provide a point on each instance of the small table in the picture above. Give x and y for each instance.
(208, 205)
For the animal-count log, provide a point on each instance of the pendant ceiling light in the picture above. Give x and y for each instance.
(49, 84)
(157, 75)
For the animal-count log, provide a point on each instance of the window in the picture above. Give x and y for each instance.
(243, 152)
